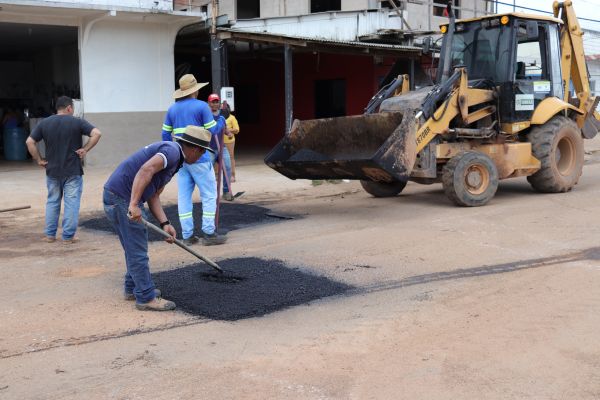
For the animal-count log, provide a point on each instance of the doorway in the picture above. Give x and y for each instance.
(38, 63)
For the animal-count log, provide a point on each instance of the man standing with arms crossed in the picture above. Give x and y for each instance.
(62, 134)
(188, 110)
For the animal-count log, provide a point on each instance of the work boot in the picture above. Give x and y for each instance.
(49, 239)
(228, 196)
(212, 239)
(156, 304)
(131, 296)
(73, 240)
(191, 240)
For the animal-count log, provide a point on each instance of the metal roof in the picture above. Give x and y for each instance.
(334, 25)
(302, 41)
(512, 14)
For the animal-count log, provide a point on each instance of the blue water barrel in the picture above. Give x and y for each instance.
(15, 148)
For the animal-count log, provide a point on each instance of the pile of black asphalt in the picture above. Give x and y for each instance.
(249, 287)
(231, 216)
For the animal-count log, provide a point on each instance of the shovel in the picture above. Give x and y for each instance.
(181, 244)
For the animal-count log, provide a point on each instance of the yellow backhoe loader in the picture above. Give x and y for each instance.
(502, 107)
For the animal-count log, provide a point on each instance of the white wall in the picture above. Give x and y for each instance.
(163, 5)
(274, 8)
(594, 69)
(296, 7)
(226, 7)
(354, 5)
(127, 66)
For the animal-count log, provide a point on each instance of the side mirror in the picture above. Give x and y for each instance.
(427, 42)
(532, 30)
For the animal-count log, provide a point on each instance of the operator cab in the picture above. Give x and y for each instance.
(516, 53)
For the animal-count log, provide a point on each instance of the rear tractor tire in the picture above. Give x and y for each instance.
(470, 179)
(382, 189)
(559, 147)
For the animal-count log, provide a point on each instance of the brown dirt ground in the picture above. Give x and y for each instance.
(495, 302)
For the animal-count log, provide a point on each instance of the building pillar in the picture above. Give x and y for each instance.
(289, 95)
(412, 74)
(218, 61)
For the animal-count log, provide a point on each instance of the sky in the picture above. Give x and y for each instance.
(583, 9)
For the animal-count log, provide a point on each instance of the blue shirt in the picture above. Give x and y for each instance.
(190, 112)
(121, 180)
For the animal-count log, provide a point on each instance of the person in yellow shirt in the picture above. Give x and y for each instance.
(234, 127)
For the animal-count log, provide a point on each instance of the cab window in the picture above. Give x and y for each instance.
(531, 63)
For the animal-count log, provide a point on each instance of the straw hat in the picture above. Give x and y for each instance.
(187, 86)
(197, 136)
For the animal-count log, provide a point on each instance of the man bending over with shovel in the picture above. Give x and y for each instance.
(140, 179)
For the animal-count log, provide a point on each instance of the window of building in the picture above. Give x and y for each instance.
(330, 98)
(325, 5)
(439, 9)
(247, 9)
(387, 4)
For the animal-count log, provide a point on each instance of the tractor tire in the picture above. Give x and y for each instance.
(559, 147)
(470, 179)
(382, 189)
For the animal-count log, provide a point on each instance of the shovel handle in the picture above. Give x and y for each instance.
(14, 209)
(181, 244)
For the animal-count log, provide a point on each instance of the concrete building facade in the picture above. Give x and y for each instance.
(119, 56)
(116, 56)
(420, 14)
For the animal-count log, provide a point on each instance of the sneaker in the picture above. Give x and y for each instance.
(213, 239)
(156, 304)
(49, 239)
(73, 240)
(131, 296)
(228, 196)
(191, 240)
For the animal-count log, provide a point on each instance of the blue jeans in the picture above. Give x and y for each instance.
(189, 176)
(227, 164)
(69, 189)
(134, 239)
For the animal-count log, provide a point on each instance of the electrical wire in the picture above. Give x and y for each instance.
(543, 11)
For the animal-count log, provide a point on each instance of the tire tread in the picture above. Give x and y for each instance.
(542, 139)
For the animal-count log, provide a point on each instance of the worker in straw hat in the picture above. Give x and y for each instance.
(188, 110)
(140, 179)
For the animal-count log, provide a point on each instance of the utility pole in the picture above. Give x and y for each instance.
(214, 10)
(216, 49)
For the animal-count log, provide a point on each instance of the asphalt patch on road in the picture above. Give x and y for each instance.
(249, 287)
(232, 216)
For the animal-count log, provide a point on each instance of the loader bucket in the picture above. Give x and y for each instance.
(377, 147)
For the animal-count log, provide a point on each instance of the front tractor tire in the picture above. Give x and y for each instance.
(559, 147)
(382, 189)
(470, 179)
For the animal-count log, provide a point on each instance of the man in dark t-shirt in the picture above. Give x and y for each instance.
(62, 134)
(140, 179)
